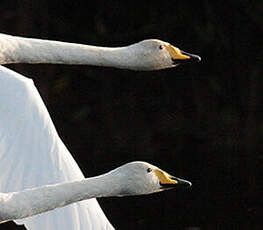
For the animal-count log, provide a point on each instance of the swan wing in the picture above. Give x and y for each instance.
(32, 154)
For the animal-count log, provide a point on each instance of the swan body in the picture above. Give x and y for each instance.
(151, 54)
(31, 153)
(135, 178)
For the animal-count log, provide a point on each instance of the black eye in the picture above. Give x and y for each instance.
(149, 170)
(160, 47)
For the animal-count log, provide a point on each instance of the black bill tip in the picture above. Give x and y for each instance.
(193, 57)
(182, 183)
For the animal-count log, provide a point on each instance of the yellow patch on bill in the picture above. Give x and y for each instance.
(176, 53)
(164, 177)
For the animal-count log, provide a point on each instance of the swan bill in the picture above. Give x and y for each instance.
(180, 184)
(193, 57)
(178, 56)
(168, 182)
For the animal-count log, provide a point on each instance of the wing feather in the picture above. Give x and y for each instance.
(32, 154)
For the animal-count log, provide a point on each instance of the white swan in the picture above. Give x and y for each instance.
(31, 152)
(149, 54)
(135, 178)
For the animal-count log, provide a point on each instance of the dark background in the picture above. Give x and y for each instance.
(202, 122)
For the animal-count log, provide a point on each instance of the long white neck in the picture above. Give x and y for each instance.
(26, 50)
(18, 205)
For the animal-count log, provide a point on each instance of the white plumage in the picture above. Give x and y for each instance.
(31, 152)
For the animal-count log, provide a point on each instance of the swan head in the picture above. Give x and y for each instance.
(153, 54)
(141, 178)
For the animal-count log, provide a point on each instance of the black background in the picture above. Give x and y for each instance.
(202, 122)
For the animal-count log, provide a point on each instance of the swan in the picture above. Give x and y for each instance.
(151, 54)
(31, 152)
(135, 178)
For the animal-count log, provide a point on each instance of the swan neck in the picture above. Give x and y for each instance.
(29, 202)
(27, 50)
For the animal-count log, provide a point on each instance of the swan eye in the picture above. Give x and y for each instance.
(160, 47)
(149, 170)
